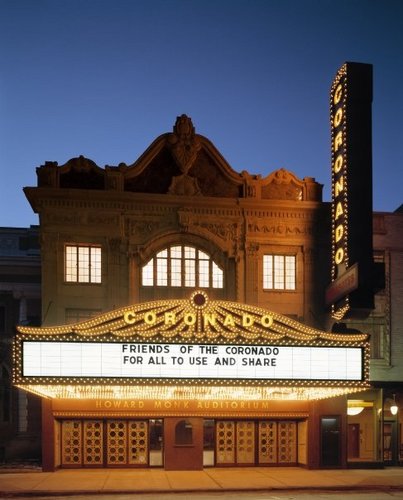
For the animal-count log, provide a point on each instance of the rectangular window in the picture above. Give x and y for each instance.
(204, 271)
(376, 326)
(83, 264)
(78, 315)
(148, 274)
(190, 266)
(279, 272)
(162, 270)
(176, 272)
(218, 277)
(190, 272)
(290, 272)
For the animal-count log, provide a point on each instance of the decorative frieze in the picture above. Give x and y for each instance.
(277, 229)
(142, 227)
(75, 218)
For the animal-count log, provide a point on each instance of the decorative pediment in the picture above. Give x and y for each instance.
(79, 173)
(180, 163)
(284, 185)
(183, 163)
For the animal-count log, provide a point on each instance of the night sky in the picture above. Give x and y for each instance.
(104, 78)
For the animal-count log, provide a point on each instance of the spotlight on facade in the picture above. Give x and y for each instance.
(355, 406)
(354, 410)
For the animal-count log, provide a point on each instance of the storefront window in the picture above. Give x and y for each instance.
(364, 427)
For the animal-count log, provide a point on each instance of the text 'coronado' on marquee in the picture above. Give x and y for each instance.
(189, 318)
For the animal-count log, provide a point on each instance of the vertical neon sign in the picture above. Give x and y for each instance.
(351, 144)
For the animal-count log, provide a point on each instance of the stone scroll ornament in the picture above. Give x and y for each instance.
(184, 146)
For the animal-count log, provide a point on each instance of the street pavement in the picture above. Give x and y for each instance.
(122, 481)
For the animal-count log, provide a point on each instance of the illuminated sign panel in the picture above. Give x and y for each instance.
(189, 349)
(350, 116)
(190, 361)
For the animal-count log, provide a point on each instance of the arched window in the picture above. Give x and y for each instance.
(184, 433)
(182, 266)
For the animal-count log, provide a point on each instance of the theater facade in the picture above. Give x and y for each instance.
(186, 319)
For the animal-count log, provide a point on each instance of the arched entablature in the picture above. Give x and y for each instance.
(217, 252)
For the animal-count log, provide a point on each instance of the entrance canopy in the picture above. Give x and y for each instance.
(190, 349)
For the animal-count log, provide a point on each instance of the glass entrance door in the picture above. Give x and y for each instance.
(100, 443)
(248, 442)
(245, 443)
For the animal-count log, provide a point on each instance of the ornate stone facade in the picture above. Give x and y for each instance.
(181, 190)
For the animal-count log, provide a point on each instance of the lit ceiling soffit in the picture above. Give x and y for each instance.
(224, 393)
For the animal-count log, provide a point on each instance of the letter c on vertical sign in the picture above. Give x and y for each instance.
(338, 94)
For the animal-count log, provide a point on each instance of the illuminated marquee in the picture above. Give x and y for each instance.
(189, 348)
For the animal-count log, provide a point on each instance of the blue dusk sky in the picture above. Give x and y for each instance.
(104, 78)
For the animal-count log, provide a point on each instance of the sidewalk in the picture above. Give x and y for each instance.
(103, 481)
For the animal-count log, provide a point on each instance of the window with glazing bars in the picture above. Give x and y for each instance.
(82, 264)
(279, 272)
(181, 265)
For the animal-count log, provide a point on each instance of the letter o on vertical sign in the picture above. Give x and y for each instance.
(338, 117)
(339, 256)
